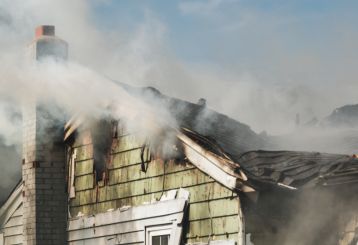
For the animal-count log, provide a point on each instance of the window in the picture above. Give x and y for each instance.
(158, 235)
(160, 240)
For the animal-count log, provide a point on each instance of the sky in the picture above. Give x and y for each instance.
(261, 36)
(299, 56)
(223, 31)
(260, 62)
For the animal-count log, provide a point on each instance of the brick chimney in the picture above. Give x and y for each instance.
(44, 31)
(43, 166)
(46, 44)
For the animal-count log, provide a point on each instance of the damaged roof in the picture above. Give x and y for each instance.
(284, 169)
(229, 134)
(234, 149)
(295, 169)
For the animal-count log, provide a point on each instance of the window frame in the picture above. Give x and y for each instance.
(158, 230)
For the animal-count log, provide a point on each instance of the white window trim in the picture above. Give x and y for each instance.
(158, 230)
(72, 191)
(173, 230)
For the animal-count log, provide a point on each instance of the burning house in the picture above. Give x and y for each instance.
(97, 181)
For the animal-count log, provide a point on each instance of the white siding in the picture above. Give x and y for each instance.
(11, 218)
(128, 226)
(13, 228)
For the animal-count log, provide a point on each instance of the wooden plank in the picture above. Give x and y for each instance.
(84, 182)
(209, 191)
(183, 179)
(127, 142)
(84, 167)
(186, 178)
(204, 239)
(174, 166)
(11, 205)
(71, 174)
(120, 228)
(102, 194)
(128, 158)
(134, 172)
(18, 212)
(221, 225)
(15, 230)
(223, 242)
(18, 239)
(101, 241)
(141, 212)
(222, 169)
(124, 196)
(129, 238)
(215, 208)
(105, 206)
(227, 224)
(83, 210)
(139, 187)
(84, 152)
(211, 169)
(116, 203)
(14, 221)
(84, 197)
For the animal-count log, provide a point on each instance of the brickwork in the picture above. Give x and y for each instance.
(43, 174)
(43, 169)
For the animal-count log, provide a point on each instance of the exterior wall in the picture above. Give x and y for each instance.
(130, 225)
(13, 228)
(11, 219)
(213, 209)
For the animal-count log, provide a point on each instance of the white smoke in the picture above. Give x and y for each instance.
(143, 57)
(267, 100)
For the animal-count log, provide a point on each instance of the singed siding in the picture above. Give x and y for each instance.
(213, 210)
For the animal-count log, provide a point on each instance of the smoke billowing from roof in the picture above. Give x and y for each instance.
(74, 88)
(138, 57)
(142, 56)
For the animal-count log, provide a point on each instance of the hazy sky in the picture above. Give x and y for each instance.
(261, 62)
(303, 53)
(240, 32)
(309, 41)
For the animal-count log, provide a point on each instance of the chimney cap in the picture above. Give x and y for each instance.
(44, 30)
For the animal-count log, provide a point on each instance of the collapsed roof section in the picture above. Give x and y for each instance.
(292, 169)
(260, 170)
(229, 151)
(227, 133)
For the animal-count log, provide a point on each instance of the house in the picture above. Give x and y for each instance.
(97, 181)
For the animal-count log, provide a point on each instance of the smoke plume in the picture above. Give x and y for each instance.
(266, 100)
